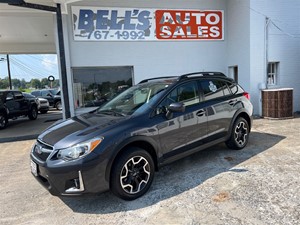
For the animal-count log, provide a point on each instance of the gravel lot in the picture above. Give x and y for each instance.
(258, 185)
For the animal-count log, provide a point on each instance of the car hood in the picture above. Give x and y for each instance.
(78, 129)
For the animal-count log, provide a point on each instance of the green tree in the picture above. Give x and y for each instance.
(45, 83)
(35, 83)
(16, 83)
(4, 83)
(23, 84)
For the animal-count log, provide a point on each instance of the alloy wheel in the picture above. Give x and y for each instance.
(135, 175)
(241, 133)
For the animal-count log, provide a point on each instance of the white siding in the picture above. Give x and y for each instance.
(283, 46)
(238, 39)
(155, 58)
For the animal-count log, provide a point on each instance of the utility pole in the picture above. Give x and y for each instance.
(8, 69)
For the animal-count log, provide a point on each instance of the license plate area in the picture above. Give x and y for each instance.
(33, 167)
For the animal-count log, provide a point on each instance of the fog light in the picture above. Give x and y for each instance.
(78, 185)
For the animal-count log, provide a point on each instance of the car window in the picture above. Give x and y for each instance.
(36, 93)
(212, 89)
(9, 96)
(45, 93)
(18, 95)
(186, 93)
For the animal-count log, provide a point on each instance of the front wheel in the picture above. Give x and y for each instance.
(33, 113)
(58, 105)
(239, 135)
(3, 121)
(132, 174)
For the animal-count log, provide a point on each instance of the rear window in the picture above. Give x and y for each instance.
(214, 89)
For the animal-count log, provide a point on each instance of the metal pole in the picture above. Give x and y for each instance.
(62, 62)
(8, 69)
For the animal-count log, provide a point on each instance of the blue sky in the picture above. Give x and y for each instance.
(29, 66)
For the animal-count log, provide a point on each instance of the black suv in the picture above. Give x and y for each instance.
(52, 95)
(13, 104)
(120, 145)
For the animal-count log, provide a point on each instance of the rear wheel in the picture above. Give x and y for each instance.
(132, 174)
(239, 134)
(3, 121)
(33, 113)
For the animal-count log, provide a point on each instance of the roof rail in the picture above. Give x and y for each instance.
(201, 74)
(156, 78)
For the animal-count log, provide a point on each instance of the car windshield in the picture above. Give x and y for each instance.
(132, 99)
(53, 92)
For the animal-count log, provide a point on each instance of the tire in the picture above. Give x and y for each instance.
(3, 121)
(44, 111)
(132, 174)
(239, 135)
(58, 105)
(33, 113)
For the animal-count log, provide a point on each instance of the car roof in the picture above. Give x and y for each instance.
(186, 76)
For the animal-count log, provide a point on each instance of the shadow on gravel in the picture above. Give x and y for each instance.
(179, 177)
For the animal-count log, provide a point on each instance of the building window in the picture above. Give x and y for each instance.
(273, 73)
(94, 86)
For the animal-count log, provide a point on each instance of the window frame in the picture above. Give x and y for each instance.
(272, 74)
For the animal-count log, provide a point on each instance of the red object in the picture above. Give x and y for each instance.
(247, 95)
(189, 24)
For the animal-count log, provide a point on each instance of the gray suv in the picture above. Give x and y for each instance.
(120, 145)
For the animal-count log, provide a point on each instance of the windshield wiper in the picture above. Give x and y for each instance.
(111, 112)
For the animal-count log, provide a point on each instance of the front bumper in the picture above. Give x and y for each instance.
(78, 177)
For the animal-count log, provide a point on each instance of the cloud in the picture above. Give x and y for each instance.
(49, 61)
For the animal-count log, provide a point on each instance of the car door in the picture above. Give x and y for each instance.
(21, 104)
(10, 103)
(220, 107)
(185, 129)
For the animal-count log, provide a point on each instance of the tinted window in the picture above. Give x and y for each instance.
(224, 87)
(45, 93)
(212, 89)
(36, 93)
(9, 96)
(18, 95)
(186, 93)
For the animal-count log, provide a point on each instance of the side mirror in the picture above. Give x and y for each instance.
(9, 98)
(174, 107)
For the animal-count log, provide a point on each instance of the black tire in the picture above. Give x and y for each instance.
(3, 121)
(239, 135)
(33, 113)
(58, 105)
(132, 174)
(44, 111)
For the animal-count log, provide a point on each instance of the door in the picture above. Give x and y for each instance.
(10, 103)
(21, 104)
(185, 129)
(220, 106)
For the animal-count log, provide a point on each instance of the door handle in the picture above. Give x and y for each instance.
(201, 112)
(232, 102)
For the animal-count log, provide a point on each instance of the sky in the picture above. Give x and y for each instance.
(33, 66)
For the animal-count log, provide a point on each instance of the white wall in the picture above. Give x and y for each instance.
(155, 58)
(238, 40)
(281, 46)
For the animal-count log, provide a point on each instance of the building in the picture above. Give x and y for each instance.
(110, 45)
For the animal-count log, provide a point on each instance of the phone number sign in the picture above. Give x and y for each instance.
(123, 24)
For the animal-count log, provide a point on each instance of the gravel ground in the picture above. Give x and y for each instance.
(258, 185)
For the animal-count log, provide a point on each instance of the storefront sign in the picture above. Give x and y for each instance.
(123, 24)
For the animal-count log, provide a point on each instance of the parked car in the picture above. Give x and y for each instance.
(13, 104)
(52, 95)
(120, 145)
(42, 103)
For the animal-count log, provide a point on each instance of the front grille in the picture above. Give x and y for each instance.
(43, 101)
(42, 150)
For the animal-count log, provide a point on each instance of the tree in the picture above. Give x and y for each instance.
(45, 83)
(4, 83)
(23, 84)
(16, 83)
(35, 83)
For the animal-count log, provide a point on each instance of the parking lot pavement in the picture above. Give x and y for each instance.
(26, 129)
(257, 185)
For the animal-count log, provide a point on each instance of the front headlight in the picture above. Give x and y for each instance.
(79, 150)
